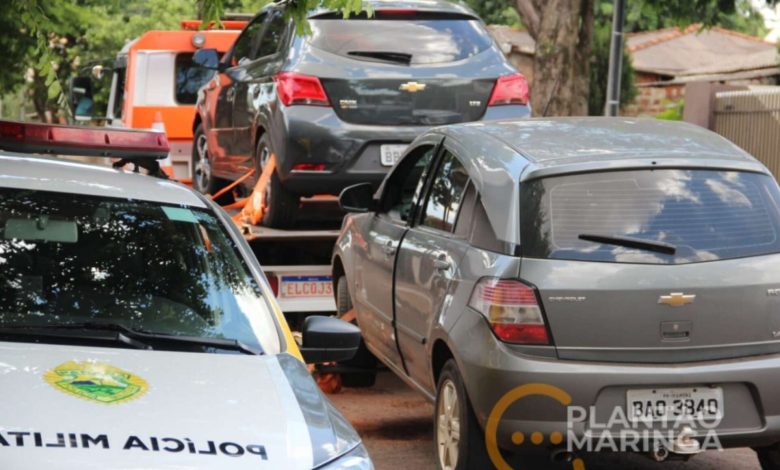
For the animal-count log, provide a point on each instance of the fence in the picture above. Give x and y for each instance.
(751, 119)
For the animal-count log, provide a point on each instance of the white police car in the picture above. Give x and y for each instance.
(137, 329)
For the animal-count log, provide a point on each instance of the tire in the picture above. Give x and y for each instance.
(458, 445)
(202, 177)
(281, 206)
(363, 358)
(769, 457)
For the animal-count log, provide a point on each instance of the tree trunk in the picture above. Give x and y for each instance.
(563, 30)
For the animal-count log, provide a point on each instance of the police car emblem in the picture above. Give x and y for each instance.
(96, 381)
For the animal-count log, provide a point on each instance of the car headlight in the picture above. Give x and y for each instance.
(356, 459)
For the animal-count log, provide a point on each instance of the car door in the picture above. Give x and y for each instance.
(221, 136)
(382, 233)
(427, 263)
(256, 86)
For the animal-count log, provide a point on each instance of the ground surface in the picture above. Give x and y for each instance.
(396, 425)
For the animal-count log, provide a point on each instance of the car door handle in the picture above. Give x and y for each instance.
(389, 248)
(441, 264)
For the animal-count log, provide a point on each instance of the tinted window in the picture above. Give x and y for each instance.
(273, 36)
(705, 215)
(406, 184)
(189, 79)
(244, 47)
(427, 41)
(173, 270)
(449, 183)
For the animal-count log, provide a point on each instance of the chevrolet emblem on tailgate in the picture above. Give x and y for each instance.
(412, 87)
(677, 299)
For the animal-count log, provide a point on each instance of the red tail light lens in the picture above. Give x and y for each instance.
(309, 167)
(512, 310)
(274, 282)
(510, 89)
(296, 89)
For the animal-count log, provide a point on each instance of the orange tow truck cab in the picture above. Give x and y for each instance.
(154, 78)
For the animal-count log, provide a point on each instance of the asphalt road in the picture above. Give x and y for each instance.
(396, 425)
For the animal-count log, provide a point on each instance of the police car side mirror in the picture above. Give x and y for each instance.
(358, 198)
(328, 339)
(206, 58)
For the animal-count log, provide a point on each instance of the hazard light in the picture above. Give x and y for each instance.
(25, 137)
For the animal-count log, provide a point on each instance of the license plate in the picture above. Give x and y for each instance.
(306, 286)
(671, 403)
(391, 153)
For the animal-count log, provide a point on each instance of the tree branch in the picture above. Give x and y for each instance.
(530, 16)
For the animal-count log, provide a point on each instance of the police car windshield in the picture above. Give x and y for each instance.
(67, 258)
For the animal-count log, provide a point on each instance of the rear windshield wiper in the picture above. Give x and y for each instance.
(133, 337)
(397, 57)
(630, 242)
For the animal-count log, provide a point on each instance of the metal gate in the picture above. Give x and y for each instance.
(751, 119)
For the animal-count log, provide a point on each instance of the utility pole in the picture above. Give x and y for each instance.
(612, 106)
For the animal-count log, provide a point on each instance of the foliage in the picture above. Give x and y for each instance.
(674, 111)
(496, 11)
(599, 66)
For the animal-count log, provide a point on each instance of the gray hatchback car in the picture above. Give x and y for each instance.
(574, 285)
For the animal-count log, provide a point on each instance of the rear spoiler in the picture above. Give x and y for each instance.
(381, 13)
(141, 148)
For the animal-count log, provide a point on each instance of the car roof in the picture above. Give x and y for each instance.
(22, 171)
(499, 155)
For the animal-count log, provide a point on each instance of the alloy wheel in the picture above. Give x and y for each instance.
(448, 426)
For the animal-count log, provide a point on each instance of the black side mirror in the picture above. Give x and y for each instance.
(80, 97)
(358, 198)
(206, 58)
(328, 339)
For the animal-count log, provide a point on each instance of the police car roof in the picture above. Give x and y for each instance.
(22, 171)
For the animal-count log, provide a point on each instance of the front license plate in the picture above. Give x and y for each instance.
(660, 404)
(391, 153)
(306, 286)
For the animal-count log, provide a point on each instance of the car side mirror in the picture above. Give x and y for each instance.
(80, 97)
(328, 339)
(207, 59)
(358, 198)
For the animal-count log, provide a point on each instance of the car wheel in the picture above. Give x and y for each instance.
(279, 205)
(769, 457)
(363, 358)
(202, 178)
(459, 441)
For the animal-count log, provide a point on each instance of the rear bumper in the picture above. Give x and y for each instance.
(311, 134)
(492, 370)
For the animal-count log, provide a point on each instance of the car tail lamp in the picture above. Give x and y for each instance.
(512, 310)
(30, 137)
(309, 167)
(296, 89)
(273, 281)
(509, 89)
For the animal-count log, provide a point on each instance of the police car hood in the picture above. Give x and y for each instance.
(69, 407)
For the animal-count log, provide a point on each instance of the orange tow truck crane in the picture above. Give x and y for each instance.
(154, 80)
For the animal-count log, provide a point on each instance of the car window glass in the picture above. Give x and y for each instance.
(189, 78)
(405, 185)
(245, 44)
(466, 214)
(449, 184)
(273, 35)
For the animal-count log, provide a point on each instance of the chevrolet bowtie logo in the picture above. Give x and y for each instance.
(677, 299)
(412, 87)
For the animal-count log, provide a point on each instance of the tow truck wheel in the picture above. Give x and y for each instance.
(279, 205)
(363, 358)
(202, 178)
(459, 441)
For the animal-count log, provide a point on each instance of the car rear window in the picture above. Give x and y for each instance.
(428, 41)
(703, 215)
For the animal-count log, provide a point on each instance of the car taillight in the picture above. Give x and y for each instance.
(512, 310)
(274, 282)
(509, 89)
(295, 89)
(309, 167)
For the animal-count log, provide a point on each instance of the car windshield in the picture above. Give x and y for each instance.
(410, 41)
(657, 217)
(67, 259)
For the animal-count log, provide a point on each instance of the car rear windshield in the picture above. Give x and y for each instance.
(165, 269)
(419, 41)
(700, 215)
